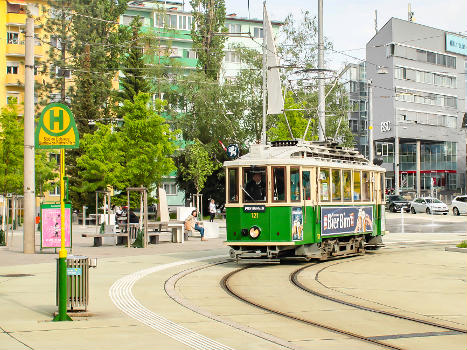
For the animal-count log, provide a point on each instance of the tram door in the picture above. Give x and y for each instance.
(308, 199)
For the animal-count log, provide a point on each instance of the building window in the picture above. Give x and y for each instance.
(234, 28)
(56, 157)
(65, 72)
(12, 38)
(12, 68)
(55, 191)
(12, 99)
(55, 42)
(170, 189)
(258, 32)
(126, 20)
(232, 56)
(182, 22)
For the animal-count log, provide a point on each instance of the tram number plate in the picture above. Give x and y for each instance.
(254, 208)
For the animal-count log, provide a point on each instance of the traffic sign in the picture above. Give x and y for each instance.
(56, 128)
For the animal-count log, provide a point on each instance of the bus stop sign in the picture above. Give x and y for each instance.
(56, 128)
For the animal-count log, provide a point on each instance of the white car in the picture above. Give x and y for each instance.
(459, 205)
(428, 205)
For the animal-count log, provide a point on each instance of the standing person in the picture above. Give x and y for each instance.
(212, 210)
(191, 223)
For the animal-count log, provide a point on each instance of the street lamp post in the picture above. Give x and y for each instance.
(371, 146)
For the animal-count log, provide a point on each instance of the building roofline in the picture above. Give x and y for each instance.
(419, 24)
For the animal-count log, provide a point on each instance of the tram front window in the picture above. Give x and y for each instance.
(278, 178)
(324, 186)
(254, 184)
(233, 185)
(336, 185)
(295, 184)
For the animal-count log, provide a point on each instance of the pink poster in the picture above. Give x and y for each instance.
(51, 230)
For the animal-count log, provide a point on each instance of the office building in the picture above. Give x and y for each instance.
(419, 106)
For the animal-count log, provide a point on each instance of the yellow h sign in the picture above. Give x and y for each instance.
(56, 128)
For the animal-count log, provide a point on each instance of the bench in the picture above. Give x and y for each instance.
(123, 237)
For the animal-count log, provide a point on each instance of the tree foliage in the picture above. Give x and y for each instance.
(206, 29)
(12, 157)
(137, 154)
(198, 165)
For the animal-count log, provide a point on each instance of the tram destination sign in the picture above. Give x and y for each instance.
(340, 220)
(254, 208)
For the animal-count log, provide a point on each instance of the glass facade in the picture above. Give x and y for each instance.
(438, 166)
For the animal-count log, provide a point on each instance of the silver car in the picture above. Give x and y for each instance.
(428, 205)
(459, 205)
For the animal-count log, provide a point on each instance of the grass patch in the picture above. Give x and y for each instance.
(462, 244)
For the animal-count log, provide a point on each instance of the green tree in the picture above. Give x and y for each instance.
(146, 141)
(207, 31)
(11, 151)
(100, 165)
(12, 157)
(199, 165)
(134, 80)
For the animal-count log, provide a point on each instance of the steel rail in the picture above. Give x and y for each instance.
(294, 280)
(225, 285)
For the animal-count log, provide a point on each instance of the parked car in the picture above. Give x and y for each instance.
(397, 203)
(459, 205)
(428, 205)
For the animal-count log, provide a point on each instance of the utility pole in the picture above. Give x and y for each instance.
(371, 151)
(263, 131)
(321, 98)
(29, 166)
(63, 47)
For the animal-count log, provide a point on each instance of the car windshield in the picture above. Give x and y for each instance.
(433, 200)
(397, 198)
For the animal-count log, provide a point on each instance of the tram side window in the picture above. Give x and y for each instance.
(295, 184)
(306, 185)
(324, 186)
(365, 186)
(336, 185)
(278, 178)
(347, 180)
(254, 184)
(233, 185)
(356, 186)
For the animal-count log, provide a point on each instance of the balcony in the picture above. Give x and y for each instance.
(13, 19)
(15, 50)
(14, 80)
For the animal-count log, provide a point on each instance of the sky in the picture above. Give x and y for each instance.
(349, 24)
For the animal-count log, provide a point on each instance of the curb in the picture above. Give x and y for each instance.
(455, 249)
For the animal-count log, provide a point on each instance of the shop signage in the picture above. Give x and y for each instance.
(456, 44)
(339, 220)
(385, 126)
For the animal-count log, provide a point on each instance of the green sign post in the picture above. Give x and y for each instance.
(57, 130)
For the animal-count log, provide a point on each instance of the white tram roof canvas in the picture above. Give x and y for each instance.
(305, 154)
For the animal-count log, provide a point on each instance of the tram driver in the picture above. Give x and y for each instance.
(256, 187)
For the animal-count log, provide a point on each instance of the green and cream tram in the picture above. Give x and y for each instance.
(303, 199)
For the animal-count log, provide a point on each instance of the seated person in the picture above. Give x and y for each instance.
(191, 223)
(255, 189)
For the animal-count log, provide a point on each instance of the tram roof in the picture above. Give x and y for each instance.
(304, 153)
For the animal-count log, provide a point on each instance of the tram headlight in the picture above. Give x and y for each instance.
(255, 232)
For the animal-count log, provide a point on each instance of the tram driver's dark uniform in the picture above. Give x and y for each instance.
(256, 191)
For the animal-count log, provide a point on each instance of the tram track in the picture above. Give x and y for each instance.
(294, 280)
(225, 285)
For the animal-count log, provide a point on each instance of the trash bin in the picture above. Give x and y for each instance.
(77, 282)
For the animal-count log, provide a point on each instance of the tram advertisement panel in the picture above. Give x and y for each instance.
(337, 220)
(297, 224)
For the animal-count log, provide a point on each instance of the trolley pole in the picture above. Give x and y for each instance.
(263, 130)
(29, 176)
